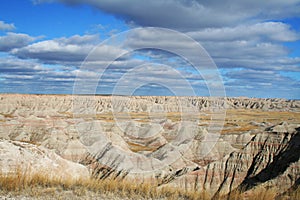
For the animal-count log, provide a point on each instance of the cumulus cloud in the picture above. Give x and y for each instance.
(14, 40)
(80, 40)
(29, 76)
(18, 66)
(258, 82)
(154, 75)
(265, 31)
(253, 51)
(245, 38)
(6, 27)
(195, 14)
(72, 50)
(51, 51)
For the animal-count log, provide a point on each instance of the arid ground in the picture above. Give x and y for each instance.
(110, 147)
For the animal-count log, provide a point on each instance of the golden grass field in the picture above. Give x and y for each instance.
(41, 186)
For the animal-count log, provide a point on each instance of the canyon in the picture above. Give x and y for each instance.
(213, 144)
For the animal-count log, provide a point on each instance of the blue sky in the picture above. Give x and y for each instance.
(255, 46)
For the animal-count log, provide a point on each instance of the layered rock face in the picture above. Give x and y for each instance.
(270, 159)
(172, 141)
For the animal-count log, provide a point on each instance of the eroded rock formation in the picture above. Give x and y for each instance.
(149, 138)
(22, 157)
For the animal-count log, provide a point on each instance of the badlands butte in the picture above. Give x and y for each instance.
(203, 144)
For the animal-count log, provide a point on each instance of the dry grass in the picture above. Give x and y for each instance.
(239, 120)
(259, 193)
(40, 184)
(295, 194)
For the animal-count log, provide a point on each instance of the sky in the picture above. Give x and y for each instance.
(134, 47)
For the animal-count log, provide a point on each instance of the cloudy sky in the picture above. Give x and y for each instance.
(58, 46)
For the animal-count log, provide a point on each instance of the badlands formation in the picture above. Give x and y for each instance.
(199, 143)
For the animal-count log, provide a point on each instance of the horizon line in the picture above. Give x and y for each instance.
(68, 94)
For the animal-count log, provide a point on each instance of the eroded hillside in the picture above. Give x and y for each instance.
(164, 140)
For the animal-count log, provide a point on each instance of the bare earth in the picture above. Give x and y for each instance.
(161, 140)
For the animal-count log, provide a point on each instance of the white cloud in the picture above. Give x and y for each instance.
(72, 50)
(52, 50)
(261, 79)
(245, 39)
(80, 40)
(6, 27)
(194, 14)
(266, 31)
(253, 51)
(14, 40)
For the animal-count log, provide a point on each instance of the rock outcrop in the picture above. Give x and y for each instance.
(270, 159)
(48, 105)
(21, 157)
(147, 138)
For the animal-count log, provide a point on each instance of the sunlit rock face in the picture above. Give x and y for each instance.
(30, 159)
